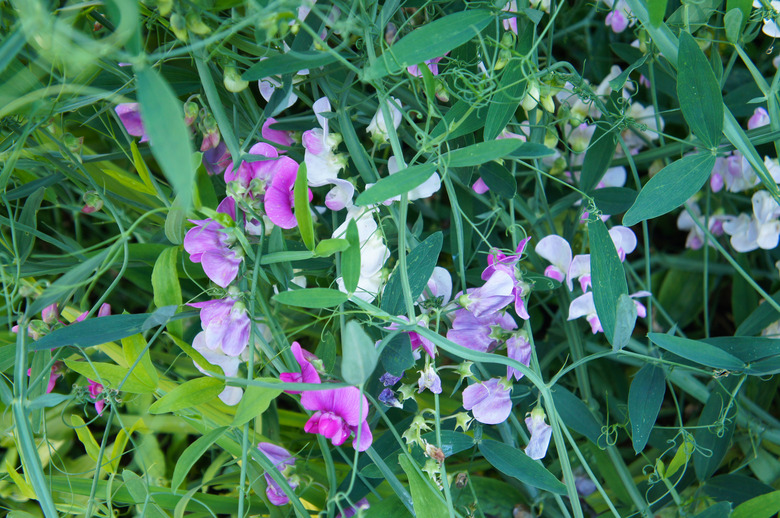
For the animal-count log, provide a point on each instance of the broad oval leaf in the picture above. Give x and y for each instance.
(165, 284)
(419, 267)
(397, 355)
(359, 355)
(625, 320)
(311, 298)
(576, 415)
(111, 376)
(764, 506)
(192, 453)
(614, 200)
(399, 183)
(699, 92)
(429, 41)
(481, 153)
(644, 402)
(698, 352)
(189, 394)
(670, 187)
(163, 119)
(513, 462)
(607, 275)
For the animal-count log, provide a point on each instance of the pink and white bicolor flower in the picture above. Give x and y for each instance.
(584, 306)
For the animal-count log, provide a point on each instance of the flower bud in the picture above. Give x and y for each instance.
(92, 202)
(179, 27)
(50, 314)
(190, 112)
(196, 25)
(531, 98)
(232, 80)
(164, 7)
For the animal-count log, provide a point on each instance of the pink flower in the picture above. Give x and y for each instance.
(759, 118)
(540, 434)
(95, 389)
(130, 115)
(415, 338)
(279, 198)
(583, 306)
(617, 21)
(279, 137)
(510, 24)
(432, 64)
(226, 324)
(480, 187)
(280, 458)
(308, 373)
(518, 347)
(558, 252)
(339, 413)
(489, 401)
(209, 244)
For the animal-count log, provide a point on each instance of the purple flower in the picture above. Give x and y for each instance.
(489, 401)
(540, 434)
(361, 505)
(280, 458)
(387, 397)
(130, 115)
(479, 334)
(518, 347)
(432, 64)
(759, 118)
(497, 263)
(415, 338)
(339, 413)
(308, 373)
(388, 380)
(429, 379)
(95, 389)
(209, 244)
(491, 297)
(226, 324)
(217, 159)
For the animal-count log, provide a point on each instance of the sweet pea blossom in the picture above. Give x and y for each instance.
(322, 164)
(130, 115)
(210, 244)
(281, 459)
(760, 231)
(695, 239)
(361, 505)
(279, 137)
(373, 252)
(759, 118)
(339, 413)
(558, 252)
(429, 379)
(308, 373)
(489, 296)
(417, 341)
(439, 286)
(489, 401)
(226, 325)
(583, 306)
(518, 347)
(229, 365)
(95, 389)
(480, 187)
(480, 334)
(619, 16)
(540, 434)
(770, 27)
(377, 128)
(432, 64)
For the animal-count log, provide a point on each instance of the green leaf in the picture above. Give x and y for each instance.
(513, 462)
(625, 320)
(504, 103)
(326, 351)
(715, 429)
(111, 376)
(733, 24)
(29, 218)
(429, 41)
(311, 298)
(175, 222)
(397, 355)
(419, 266)
(163, 118)
(364, 165)
(644, 402)
(165, 283)
(138, 489)
(481, 153)
(289, 63)
(189, 394)
(670, 187)
(328, 247)
(719, 510)
(597, 157)
(255, 401)
(498, 179)
(698, 352)
(608, 277)
(744, 7)
(192, 454)
(48, 401)
(97, 331)
(614, 200)
(350, 259)
(576, 415)
(426, 499)
(66, 284)
(760, 318)
(699, 92)
(85, 437)
(735, 488)
(460, 120)
(620, 80)
(399, 183)
(302, 210)
(360, 356)
(656, 9)
(531, 150)
(134, 347)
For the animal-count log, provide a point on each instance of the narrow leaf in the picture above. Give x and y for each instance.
(189, 394)
(597, 157)
(165, 284)
(481, 153)
(625, 320)
(498, 179)
(288, 63)
(350, 259)
(513, 462)
(192, 454)
(608, 277)
(644, 402)
(311, 298)
(399, 183)
(505, 101)
(328, 247)
(698, 352)
(699, 92)
(302, 210)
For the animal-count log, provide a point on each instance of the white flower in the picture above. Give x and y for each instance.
(424, 190)
(373, 252)
(377, 128)
(770, 27)
(760, 231)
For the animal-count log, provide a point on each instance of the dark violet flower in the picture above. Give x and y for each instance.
(387, 397)
(308, 373)
(217, 159)
(339, 413)
(489, 401)
(130, 115)
(388, 380)
(361, 505)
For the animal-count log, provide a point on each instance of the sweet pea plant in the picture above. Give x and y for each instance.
(433, 259)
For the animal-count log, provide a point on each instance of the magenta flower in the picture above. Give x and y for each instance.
(279, 137)
(130, 115)
(480, 334)
(308, 373)
(95, 389)
(339, 413)
(415, 338)
(226, 324)
(540, 434)
(279, 199)
(480, 187)
(489, 401)
(280, 458)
